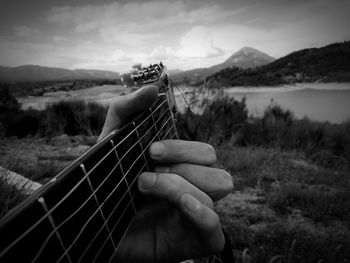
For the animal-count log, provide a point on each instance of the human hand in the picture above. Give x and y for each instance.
(180, 223)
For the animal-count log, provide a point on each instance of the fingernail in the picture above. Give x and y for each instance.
(147, 180)
(191, 203)
(156, 149)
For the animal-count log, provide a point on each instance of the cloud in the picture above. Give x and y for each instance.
(199, 42)
(126, 37)
(135, 22)
(26, 31)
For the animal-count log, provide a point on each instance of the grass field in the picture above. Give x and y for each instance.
(283, 208)
(291, 200)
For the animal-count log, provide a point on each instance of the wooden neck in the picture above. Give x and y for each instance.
(82, 214)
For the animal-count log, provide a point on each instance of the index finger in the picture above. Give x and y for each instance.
(180, 151)
(124, 107)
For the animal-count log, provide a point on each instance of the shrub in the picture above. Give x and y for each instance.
(74, 117)
(64, 117)
(22, 123)
(220, 119)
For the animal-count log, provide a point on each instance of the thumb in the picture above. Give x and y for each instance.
(122, 108)
(205, 221)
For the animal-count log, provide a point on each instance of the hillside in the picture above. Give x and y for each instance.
(28, 73)
(327, 64)
(244, 58)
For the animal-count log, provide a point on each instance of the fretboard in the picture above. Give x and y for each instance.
(82, 214)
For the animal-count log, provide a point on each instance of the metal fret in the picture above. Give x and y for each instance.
(71, 190)
(122, 170)
(133, 182)
(143, 151)
(25, 233)
(52, 222)
(102, 182)
(97, 202)
(153, 120)
(165, 136)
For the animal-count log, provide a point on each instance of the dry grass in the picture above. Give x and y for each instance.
(10, 196)
(285, 208)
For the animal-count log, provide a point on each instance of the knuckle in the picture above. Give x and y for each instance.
(172, 182)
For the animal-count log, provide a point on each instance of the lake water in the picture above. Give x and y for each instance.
(318, 101)
(102, 94)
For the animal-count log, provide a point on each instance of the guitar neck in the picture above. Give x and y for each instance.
(82, 214)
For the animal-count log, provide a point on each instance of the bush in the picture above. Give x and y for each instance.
(219, 121)
(74, 117)
(22, 123)
(64, 117)
(224, 120)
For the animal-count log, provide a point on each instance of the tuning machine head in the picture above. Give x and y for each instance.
(143, 75)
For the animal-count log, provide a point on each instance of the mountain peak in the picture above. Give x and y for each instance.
(248, 49)
(248, 57)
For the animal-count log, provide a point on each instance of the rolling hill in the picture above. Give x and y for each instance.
(246, 57)
(326, 64)
(29, 73)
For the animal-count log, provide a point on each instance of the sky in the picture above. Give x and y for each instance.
(184, 34)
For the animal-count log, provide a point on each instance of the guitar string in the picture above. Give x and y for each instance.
(116, 224)
(94, 192)
(112, 212)
(77, 184)
(125, 232)
(102, 227)
(41, 219)
(121, 198)
(96, 212)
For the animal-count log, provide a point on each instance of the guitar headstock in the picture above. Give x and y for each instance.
(156, 74)
(140, 76)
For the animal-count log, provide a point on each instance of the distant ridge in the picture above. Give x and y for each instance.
(246, 57)
(326, 64)
(28, 73)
